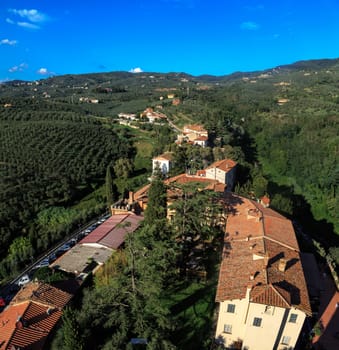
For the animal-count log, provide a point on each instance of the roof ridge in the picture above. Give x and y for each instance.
(275, 289)
(14, 329)
(281, 243)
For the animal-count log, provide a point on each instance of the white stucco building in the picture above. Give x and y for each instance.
(223, 171)
(162, 162)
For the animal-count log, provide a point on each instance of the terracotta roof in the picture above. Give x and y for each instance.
(42, 293)
(270, 295)
(209, 184)
(142, 192)
(27, 325)
(201, 173)
(164, 156)
(194, 127)
(257, 240)
(201, 138)
(112, 232)
(224, 164)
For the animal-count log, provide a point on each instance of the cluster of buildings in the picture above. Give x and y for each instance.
(148, 114)
(194, 134)
(262, 293)
(29, 319)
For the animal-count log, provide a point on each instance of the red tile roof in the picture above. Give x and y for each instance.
(256, 239)
(42, 293)
(209, 184)
(224, 165)
(165, 156)
(112, 232)
(201, 173)
(27, 325)
(195, 128)
(201, 138)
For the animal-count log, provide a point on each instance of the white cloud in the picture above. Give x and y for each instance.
(8, 42)
(28, 25)
(32, 15)
(249, 25)
(136, 70)
(21, 67)
(31, 18)
(44, 71)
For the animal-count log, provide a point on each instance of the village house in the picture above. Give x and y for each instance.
(201, 141)
(140, 197)
(31, 316)
(194, 134)
(262, 293)
(152, 116)
(163, 163)
(222, 170)
(128, 116)
(196, 129)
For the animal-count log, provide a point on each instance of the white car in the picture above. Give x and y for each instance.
(23, 280)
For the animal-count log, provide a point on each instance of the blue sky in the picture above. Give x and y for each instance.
(51, 37)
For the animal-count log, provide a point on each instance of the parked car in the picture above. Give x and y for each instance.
(72, 242)
(63, 249)
(43, 263)
(23, 280)
(52, 257)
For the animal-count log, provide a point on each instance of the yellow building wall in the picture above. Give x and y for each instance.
(274, 325)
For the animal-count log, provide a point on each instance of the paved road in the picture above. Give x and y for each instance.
(11, 287)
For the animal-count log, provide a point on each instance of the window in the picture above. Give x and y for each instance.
(293, 318)
(228, 328)
(286, 340)
(257, 321)
(231, 308)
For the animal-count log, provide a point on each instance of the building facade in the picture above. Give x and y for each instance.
(262, 293)
(163, 163)
(222, 171)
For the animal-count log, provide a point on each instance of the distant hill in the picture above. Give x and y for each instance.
(284, 118)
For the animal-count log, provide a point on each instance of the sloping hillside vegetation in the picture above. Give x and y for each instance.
(47, 159)
(59, 135)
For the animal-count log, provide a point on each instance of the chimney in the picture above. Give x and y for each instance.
(282, 265)
(252, 276)
(130, 197)
(19, 324)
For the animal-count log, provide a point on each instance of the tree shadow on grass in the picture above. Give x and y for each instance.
(194, 316)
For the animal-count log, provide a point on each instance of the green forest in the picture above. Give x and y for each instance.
(49, 160)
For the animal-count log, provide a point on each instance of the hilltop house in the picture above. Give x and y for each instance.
(152, 116)
(140, 197)
(162, 162)
(261, 290)
(194, 134)
(223, 171)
